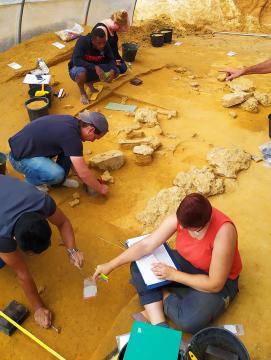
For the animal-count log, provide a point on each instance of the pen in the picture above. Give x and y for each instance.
(103, 277)
(192, 356)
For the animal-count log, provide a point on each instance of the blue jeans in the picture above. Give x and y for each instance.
(122, 67)
(2, 263)
(43, 170)
(191, 310)
(91, 73)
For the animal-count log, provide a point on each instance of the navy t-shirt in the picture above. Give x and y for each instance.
(17, 198)
(48, 136)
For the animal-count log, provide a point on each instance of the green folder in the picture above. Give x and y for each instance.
(120, 107)
(150, 342)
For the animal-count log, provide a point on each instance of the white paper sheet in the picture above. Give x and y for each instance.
(15, 65)
(58, 45)
(32, 79)
(145, 264)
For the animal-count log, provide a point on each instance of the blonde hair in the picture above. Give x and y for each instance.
(120, 17)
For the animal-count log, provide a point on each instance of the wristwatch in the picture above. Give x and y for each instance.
(72, 251)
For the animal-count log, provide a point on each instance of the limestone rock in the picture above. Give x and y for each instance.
(201, 180)
(222, 77)
(241, 84)
(143, 150)
(129, 128)
(109, 160)
(250, 105)
(263, 98)
(181, 70)
(233, 114)
(236, 98)
(158, 207)
(76, 195)
(146, 116)
(74, 202)
(159, 130)
(135, 134)
(143, 154)
(170, 113)
(228, 162)
(194, 84)
(152, 141)
(107, 177)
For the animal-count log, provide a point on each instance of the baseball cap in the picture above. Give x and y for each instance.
(96, 119)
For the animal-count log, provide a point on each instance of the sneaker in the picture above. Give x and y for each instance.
(70, 183)
(43, 188)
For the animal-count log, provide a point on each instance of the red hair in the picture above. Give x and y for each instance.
(194, 211)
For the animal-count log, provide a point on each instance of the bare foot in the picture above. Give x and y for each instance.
(84, 99)
(111, 76)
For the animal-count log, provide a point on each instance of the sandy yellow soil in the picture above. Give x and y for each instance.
(90, 327)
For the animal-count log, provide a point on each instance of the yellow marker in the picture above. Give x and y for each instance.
(27, 333)
(192, 356)
(103, 277)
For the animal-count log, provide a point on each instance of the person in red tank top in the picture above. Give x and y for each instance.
(210, 263)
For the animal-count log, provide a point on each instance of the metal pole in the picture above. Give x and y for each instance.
(19, 35)
(87, 11)
(133, 12)
(241, 34)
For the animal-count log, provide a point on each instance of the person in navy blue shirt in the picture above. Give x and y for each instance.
(35, 147)
(24, 228)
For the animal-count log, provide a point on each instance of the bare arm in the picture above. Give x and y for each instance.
(14, 259)
(16, 262)
(261, 68)
(86, 175)
(65, 228)
(221, 263)
(144, 247)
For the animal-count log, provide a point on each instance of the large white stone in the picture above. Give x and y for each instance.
(263, 98)
(109, 160)
(229, 100)
(152, 141)
(241, 84)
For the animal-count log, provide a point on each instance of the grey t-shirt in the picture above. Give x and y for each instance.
(17, 198)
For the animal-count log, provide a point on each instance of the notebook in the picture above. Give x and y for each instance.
(149, 342)
(162, 254)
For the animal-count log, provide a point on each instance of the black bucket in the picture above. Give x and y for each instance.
(41, 111)
(167, 35)
(129, 51)
(122, 352)
(219, 338)
(38, 87)
(269, 118)
(3, 162)
(157, 39)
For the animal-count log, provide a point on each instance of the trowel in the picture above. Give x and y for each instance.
(41, 92)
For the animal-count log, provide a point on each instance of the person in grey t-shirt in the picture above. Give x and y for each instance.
(24, 212)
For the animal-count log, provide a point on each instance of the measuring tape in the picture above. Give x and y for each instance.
(27, 333)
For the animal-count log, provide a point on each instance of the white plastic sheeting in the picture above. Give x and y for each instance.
(101, 9)
(41, 16)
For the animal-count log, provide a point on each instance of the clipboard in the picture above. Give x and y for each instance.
(162, 254)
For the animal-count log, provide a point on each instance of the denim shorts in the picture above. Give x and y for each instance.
(76, 70)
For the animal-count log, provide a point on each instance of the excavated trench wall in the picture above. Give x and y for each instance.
(230, 15)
